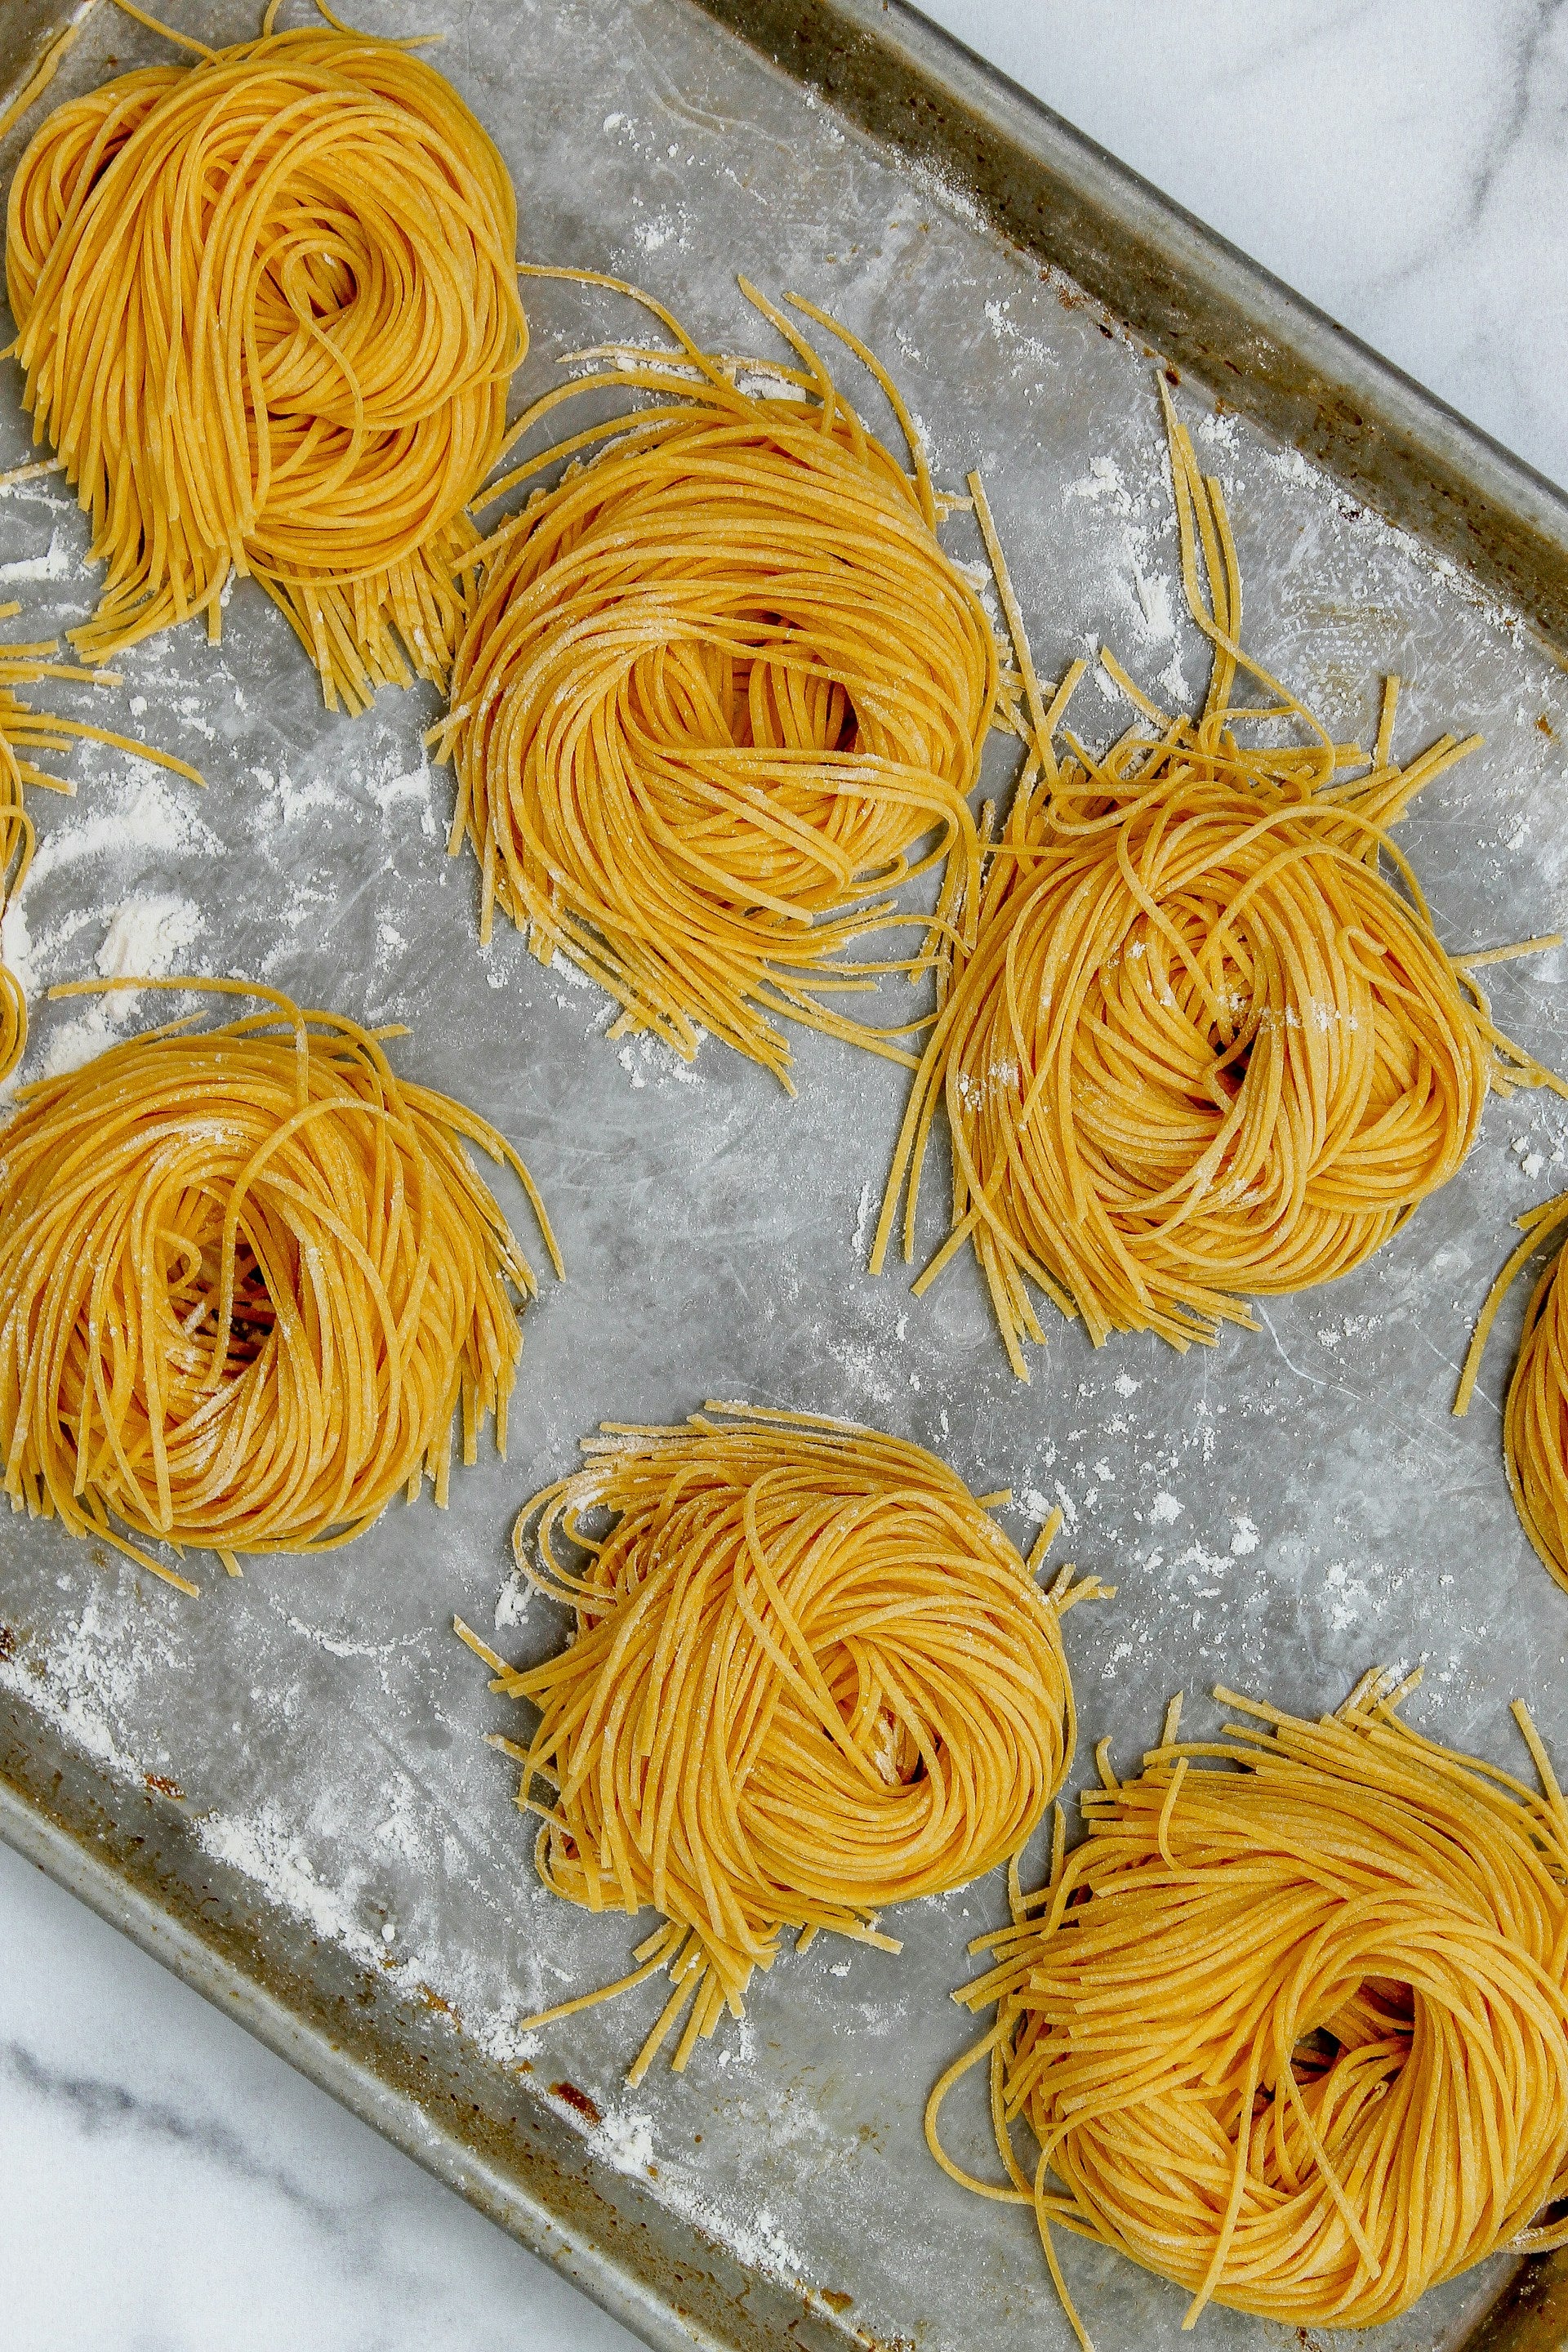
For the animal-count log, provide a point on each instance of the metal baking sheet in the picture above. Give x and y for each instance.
(282, 1787)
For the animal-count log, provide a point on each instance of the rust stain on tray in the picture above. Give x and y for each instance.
(571, 2096)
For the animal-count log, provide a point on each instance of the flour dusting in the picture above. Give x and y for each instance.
(265, 1849)
(416, 787)
(154, 817)
(57, 564)
(148, 937)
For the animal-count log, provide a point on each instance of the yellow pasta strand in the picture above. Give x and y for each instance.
(247, 1279)
(1193, 1045)
(1294, 2035)
(25, 729)
(268, 311)
(1536, 1418)
(38, 80)
(718, 685)
(809, 1678)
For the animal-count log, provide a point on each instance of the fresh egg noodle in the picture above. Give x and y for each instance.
(1200, 1047)
(718, 686)
(1292, 2034)
(810, 1677)
(50, 59)
(248, 1280)
(268, 311)
(1535, 1418)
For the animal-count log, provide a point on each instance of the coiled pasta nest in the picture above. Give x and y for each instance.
(719, 688)
(268, 311)
(810, 1678)
(1294, 2036)
(1195, 1045)
(247, 1281)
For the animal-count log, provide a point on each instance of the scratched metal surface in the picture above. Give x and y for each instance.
(1276, 1512)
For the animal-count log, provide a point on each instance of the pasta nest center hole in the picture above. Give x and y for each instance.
(1373, 2024)
(749, 747)
(195, 1291)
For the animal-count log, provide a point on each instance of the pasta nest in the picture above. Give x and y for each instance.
(268, 311)
(1535, 1418)
(717, 687)
(810, 1678)
(1294, 2035)
(1196, 1044)
(246, 1280)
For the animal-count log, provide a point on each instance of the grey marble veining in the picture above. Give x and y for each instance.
(164, 2184)
(1402, 162)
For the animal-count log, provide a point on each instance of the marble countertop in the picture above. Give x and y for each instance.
(165, 2183)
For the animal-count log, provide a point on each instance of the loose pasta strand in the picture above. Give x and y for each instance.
(43, 73)
(23, 730)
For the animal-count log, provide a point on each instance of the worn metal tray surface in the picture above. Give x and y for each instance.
(282, 1787)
